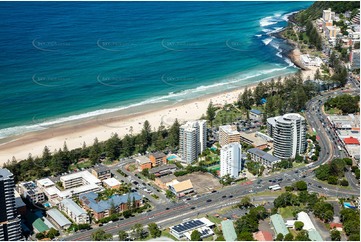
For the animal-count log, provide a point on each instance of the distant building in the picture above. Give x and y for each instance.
(256, 114)
(254, 139)
(229, 233)
(111, 183)
(181, 189)
(79, 179)
(31, 192)
(203, 225)
(279, 224)
(228, 134)
(331, 32)
(192, 140)
(143, 163)
(163, 181)
(10, 229)
(263, 236)
(158, 158)
(263, 157)
(231, 157)
(103, 208)
(101, 172)
(58, 219)
(74, 211)
(289, 135)
(307, 60)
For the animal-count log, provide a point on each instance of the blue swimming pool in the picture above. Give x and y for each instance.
(171, 157)
(348, 205)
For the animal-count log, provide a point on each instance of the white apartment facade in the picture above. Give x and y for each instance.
(74, 211)
(231, 157)
(192, 140)
(289, 134)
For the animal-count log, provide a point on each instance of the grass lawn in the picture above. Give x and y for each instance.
(286, 212)
(210, 238)
(268, 193)
(109, 162)
(335, 186)
(166, 233)
(80, 165)
(132, 167)
(214, 219)
(333, 111)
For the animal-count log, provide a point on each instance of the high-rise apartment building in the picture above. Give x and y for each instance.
(289, 135)
(231, 157)
(228, 134)
(10, 228)
(192, 140)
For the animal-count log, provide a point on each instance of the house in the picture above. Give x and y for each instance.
(58, 219)
(111, 183)
(255, 114)
(101, 172)
(163, 181)
(181, 188)
(337, 226)
(278, 224)
(229, 233)
(263, 236)
(309, 227)
(163, 170)
(39, 226)
(103, 208)
(351, 141)
(143, 163)
(158, 158)
(74, 211)
(264, 158)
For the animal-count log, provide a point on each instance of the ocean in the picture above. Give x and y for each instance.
(63, 61)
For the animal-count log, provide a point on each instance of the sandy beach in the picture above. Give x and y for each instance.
(102, 127)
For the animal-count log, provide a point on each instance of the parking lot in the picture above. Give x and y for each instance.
(202, 182)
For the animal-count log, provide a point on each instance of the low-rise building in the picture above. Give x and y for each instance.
(309, 227)
(79, 179)
(181, 188)
(163, 170)
(101, 172)
(263, 236)
(308, 60)
(103, 208)
(229, 233)
(256, 114)
(143, 163)
(158, 158)
(264, 158)
(58, 219)
(31, 192)
(74, 211)
(111, 183)
(185, 229)
(164, 181)
(254, 140)
(278, 224)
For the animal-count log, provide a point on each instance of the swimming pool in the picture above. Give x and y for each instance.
(348, 205)
(171, 157)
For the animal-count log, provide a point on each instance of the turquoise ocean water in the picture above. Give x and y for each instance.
(63, 61)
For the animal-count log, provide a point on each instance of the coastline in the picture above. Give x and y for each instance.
(77, 132)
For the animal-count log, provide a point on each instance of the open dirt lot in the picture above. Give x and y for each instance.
(202, 182)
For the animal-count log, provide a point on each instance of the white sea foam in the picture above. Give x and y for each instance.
(267, 41)
(287, 15)
(258, 35)
(267, 21)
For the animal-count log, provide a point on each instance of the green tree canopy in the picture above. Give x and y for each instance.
(196, 236)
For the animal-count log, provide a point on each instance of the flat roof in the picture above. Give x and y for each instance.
(46, 182)
(229, 129)
(162, 168)
(73, 207)
(187, 226)
(229, 233)
(40, 226)
(306, 220)
(264, 155)
(86, 175)
(256, 140)
(58, 217)
(5, 173)
(256, 111)
(111, 182)
(279, 224)
(314, 235)
(143, 159)
(157, 154)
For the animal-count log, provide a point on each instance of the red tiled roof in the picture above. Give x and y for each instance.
(335, 225)
(351, 141)
(263, 236)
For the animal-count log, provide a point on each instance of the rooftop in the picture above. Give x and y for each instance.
(351, 141)
(46, 182)
(263, 155)
(263, 236)
(229, 129)
(5, 173)
(111, 182)
(314, 235)
(157, 155)
(58, 217)
(142, 160)
(100, 168)
(188, 226)
(256, 140)
(40, 226)
(303, 217)
(162, 168)
(256, 111)
(228, 230)
(86, 175)
(73, 207)
(279, 224)
(168, 178)
(182, 186)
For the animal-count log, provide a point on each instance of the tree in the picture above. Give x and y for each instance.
(279, 237)
(302, 236)
(344, 182)
(211, 113)
(300, 185)
(298, 225)
(173, 138)
(196, 236)
(137, 231)
(122, 235)
(100, 235)
(354, 237)
(169, 194)
(245, 202)
(52, 233)
(335, 235)
(40, 236)
(288, 237)
(112, 147)
(46, 154)
(95, 151)
(154, 230)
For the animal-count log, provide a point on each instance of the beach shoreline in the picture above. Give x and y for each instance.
(76, 132)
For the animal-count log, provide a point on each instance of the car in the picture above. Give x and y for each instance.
(209, 200)
(296, 171)
(270, 180)
(304, 176)
(188, 198)
(230, 196)
(167, 208)
(224, 196)
(280, 179)
(193, 208)
(214, 191)
(319, 186)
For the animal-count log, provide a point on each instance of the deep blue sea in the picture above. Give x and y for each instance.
(62, 61)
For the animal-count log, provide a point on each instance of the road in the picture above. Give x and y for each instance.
(166, 213)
